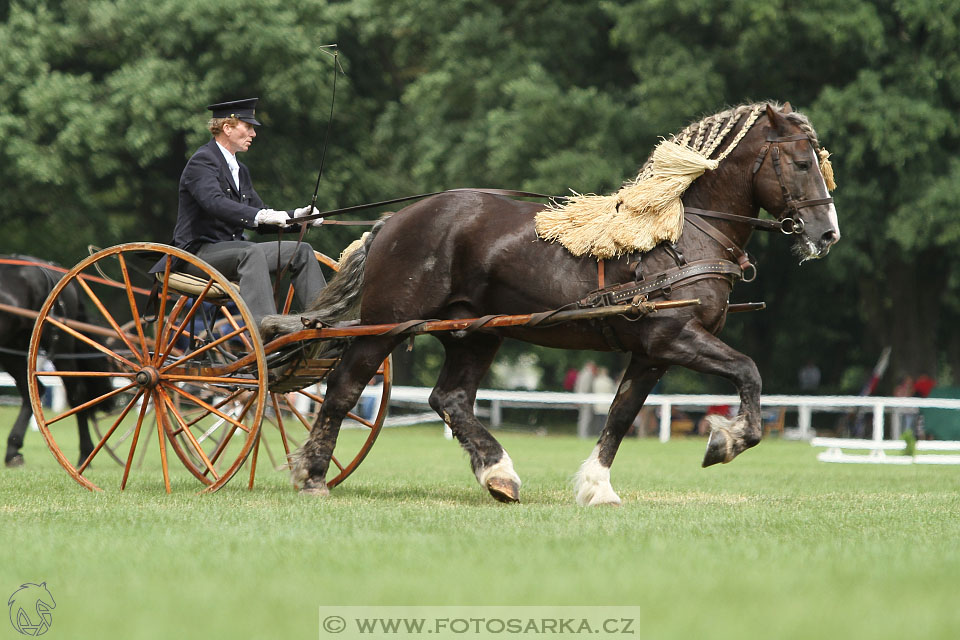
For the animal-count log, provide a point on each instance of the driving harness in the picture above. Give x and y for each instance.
(739, 267)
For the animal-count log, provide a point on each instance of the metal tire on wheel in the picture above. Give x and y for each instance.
(173, 367)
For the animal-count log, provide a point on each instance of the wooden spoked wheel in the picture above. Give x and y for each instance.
(191, 368)
(290, 416)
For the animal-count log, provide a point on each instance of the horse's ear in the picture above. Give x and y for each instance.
(777, 121)
(786, 108)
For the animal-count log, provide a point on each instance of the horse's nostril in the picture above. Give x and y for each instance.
(829, 237)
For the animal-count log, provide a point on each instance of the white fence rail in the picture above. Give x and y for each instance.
(59, 398)
(880, 407)
(877, 451)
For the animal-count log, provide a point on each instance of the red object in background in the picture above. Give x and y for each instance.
(719, 410)
(923, 386)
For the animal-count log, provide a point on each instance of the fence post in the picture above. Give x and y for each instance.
(496, 414)
(878, 422)
(804, 421)
(665, 411)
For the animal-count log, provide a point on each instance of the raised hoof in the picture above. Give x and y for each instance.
(503, 489)
(15, 461)
(316, 488)
(719, 448)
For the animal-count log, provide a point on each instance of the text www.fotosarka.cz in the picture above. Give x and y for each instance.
(477, 621)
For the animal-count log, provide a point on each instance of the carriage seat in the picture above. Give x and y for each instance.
(189, 285)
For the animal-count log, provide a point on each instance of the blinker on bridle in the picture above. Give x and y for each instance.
(790, 221)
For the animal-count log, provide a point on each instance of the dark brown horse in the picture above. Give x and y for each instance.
(468, 254)
(25, 283)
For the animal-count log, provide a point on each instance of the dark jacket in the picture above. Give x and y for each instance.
(210, 207)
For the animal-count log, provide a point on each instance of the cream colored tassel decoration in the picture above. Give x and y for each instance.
(642, 214)
(826, 168)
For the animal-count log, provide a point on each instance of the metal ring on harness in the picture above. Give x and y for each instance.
(751, 269)
(790, 226)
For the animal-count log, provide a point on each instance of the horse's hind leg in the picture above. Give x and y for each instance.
(83, 431)
(592, 482)
(467, 360)
(359, 363)
(13, 457)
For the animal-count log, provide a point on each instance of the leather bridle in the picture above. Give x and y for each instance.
(790, 220)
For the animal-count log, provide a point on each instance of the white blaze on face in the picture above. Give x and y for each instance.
(832, 212)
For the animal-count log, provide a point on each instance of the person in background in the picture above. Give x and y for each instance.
(905, 390)
(217, 202)
(809, 377)
(923, 385)
(584, 384)
(602, 383)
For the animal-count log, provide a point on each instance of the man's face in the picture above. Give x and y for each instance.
(239, 137)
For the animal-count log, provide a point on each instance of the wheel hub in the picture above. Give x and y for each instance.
(148, 377)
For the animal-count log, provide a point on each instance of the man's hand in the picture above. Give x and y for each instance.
(272, 216)
(308, 211)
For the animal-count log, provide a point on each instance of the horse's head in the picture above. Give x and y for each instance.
(789, 182)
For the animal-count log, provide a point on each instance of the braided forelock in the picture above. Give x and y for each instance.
(803, 122)
(706, 136)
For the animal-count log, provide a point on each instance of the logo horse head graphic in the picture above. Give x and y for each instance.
(30, 608)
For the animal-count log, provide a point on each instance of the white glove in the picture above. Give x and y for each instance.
(308, 211)
(272, 216)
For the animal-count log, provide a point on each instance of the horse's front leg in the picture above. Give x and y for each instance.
(592, 482)
(705, 353)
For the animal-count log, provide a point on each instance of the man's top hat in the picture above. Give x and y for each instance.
(239, 109)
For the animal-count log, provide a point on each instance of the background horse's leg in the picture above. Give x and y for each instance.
(83, 431)
(77, 394)
(467, 360)
(359, 363)
(701, 351)
(592, 483)
(17, 368)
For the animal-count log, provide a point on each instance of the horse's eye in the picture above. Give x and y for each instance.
(803, 165)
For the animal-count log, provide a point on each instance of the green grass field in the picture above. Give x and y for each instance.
(774, 545)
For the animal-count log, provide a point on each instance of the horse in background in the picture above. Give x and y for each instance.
(468, 254)
(27, 286)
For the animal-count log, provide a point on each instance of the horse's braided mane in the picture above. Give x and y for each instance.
(706, 135)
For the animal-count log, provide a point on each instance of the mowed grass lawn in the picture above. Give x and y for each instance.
(774, 545)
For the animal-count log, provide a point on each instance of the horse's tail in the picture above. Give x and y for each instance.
(339, 300)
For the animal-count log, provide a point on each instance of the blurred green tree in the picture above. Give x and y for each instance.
(104, 103)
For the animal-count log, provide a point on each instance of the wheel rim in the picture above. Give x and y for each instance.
(174, 382)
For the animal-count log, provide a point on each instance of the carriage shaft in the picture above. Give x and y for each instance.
(414, 327)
